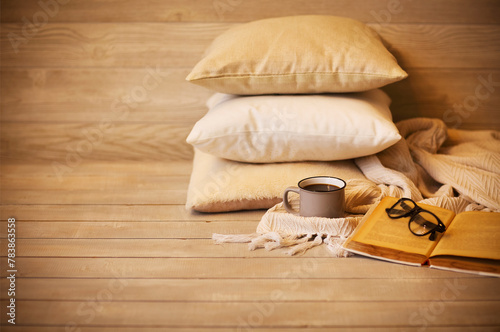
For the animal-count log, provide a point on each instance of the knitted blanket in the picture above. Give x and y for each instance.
(454, 169)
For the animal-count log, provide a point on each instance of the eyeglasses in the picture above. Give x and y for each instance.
(422, 222)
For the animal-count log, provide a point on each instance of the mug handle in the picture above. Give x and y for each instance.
(286, 204)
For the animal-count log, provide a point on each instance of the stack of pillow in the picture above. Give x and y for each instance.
(288, 90)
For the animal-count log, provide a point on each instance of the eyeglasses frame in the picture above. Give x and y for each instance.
(413, 213)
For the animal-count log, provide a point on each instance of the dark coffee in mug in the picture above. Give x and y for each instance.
(323, 187)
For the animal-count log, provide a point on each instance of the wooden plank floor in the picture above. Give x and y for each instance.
(103, 241)
(110, 247)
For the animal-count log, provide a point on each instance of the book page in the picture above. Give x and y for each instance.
(382, 231)
(472, 234)
(481, 266)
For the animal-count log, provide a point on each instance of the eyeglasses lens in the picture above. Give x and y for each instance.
(423, 223)
(402, 208)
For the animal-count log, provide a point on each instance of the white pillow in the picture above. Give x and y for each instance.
(281, 128)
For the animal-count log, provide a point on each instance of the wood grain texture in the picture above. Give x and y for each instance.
(111, 73)
(108, 182)
(239, 290)
(220, 268)
(96, 94)
(65, 146)
(464, 99)
(158, 248)
(403, 11)
(224, 329)
(46, 185)
(127, 229)
(426, 92)
(75, 196)
(98, 127)
(70, 144)
(106, 243)
(182, 44)
(94, 265)
(113, 212)
(233, 314)
(13, 170)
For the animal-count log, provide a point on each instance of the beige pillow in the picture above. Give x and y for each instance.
(266, 129)
(221, 185)
(297, 54)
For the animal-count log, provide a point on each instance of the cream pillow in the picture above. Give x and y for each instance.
(221, 185)
(297, 54)
(263, 129)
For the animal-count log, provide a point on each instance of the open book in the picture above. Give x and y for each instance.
(471, 242)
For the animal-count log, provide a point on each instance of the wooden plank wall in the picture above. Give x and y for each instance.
(104, 79)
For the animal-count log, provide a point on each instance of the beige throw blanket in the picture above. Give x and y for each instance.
(439, 164)
(455, 169)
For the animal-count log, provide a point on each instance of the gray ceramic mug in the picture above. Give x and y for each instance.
(320, 196)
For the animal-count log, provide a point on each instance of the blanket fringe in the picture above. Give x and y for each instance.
(261, 241)
(334, 244)
(287, 241)
(303, 247)
(234, 238)
(297, 244)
